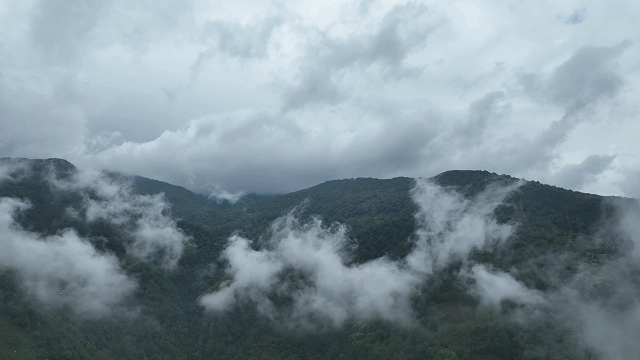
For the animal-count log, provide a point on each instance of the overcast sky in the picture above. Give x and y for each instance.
(276, 96)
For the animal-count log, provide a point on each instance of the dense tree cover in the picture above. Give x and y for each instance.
(163, 320)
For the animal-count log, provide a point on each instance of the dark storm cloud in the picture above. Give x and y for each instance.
(401, 31)
(588, 77)
(481, 111)
(576, 17)
(236, 40)
(575, 176)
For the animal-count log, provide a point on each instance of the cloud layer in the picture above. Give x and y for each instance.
(275, 97)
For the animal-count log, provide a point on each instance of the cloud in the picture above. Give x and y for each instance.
(630, 226)
(63, 31)
(231, 38)
(245, 42)
(332, 292)
(310, 263)
(53, 109)
(401, 31)
(48, 59)
(379, 136)
(579, 86)
(630, 182)
(145, 217)
(575, 176)
(597, 305)
(576, 17)
(344, 75)
(492, 287)
(601, 306)
(489, 107)
(451, 226)
(220, 195)
(12, 169)
(66, 269)
(232, 148)
(586, 78)
(613, 335)
(62, 269)
(66, 34)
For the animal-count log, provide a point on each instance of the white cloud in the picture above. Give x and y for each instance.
(10, 169)
(575, 176)
(450, 226)
(614, 335)
(63, 269)
(332, 292)
(145, 217)
(492, 287)
(310, 263)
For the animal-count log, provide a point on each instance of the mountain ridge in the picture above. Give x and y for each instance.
(547, 241)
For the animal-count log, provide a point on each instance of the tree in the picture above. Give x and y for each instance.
(446, 354)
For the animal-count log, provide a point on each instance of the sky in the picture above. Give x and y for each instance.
(276, 96)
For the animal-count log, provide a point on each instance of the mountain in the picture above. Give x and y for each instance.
(182, 200)
(464, 265)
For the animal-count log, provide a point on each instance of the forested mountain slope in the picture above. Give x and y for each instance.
(468, 265)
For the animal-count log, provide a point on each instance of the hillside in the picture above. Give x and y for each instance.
(468, 265)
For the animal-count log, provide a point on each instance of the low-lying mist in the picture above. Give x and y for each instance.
(311, 264)
(61, 269)
(145, 217)
(328, 289)
(66, 269)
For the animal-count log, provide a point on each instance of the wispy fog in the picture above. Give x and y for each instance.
(145, 217)
(598, 304)
(449, 226)
(62, 269)
(310, 261)
(606, 298)
(10, 168)
(492, 287)
(66, 269)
